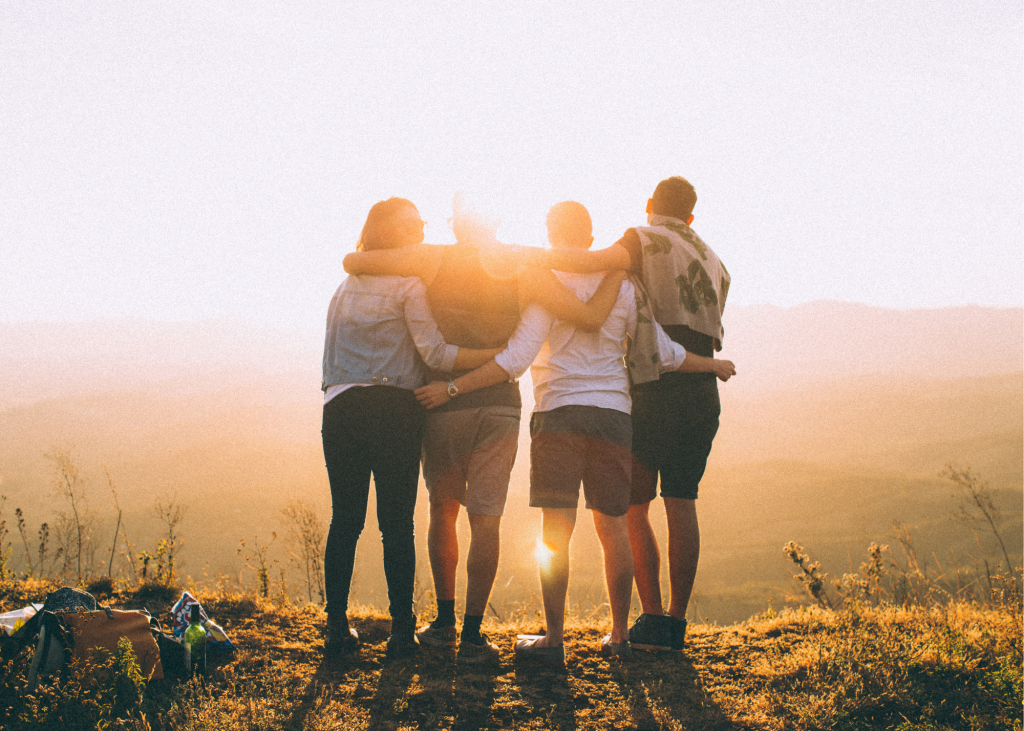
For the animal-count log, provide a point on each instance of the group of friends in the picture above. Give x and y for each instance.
(423, 348)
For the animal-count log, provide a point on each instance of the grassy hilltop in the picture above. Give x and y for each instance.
(834, 466)
(192, 450)
(952, 666)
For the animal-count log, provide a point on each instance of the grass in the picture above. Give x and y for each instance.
(956, 666)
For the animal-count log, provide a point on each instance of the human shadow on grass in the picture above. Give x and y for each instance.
(389, 707)
(444, 689)
(474, 690)
(428, 705)
(448, 689)
(547, 693)
(664, 684)
(356, 672)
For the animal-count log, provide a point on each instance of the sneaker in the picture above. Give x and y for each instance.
(402, 642)
(338, 643)
(526, 649)
(477, 653)
(678, 634)
(401, 645)
(651, 632)
(431, 636)
(621, 650)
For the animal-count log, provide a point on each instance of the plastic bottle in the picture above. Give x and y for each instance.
(195, 638)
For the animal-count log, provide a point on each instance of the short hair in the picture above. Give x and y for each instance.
(378, 224)
(674, 197)
(570, 221)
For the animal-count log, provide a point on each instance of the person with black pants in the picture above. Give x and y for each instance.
(380, 337)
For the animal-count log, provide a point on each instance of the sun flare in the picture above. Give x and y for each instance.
(543, 554)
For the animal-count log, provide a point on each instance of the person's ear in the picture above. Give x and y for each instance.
(689, 220)
(650, 205)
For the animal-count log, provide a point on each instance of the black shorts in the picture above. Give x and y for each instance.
(571, 444)
(675, 419)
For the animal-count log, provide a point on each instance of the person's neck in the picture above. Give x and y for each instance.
(652, 216)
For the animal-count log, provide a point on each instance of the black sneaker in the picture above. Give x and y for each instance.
(678, 633)
(401, 645)
(403, 641)
(338, 642)
(651, 632)
(475, 652)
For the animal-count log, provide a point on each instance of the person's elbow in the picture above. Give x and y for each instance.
(443, 357)
(351, 263)
(503, 366)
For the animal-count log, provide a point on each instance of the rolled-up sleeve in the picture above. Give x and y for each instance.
(670, 353)
(526, 341)
(436, 353)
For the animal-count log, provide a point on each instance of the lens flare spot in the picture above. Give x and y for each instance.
(543, 554)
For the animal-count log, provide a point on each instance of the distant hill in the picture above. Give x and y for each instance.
(48, 360)
(821, 441)
(773, 348)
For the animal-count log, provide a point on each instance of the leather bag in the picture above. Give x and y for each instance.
(104, 628)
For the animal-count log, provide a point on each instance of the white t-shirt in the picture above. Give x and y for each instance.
(573, 367)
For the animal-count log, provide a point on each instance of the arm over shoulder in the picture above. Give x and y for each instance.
(615, 256)
(420, 260)
(541, 286)
(512, 362)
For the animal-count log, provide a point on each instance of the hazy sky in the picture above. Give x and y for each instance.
(191, 160)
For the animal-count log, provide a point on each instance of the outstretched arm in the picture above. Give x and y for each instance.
(435, 393)
(419, 260)
(474, 358)
(541, 286)
(512, 362)
(579, 260)
(723, 369)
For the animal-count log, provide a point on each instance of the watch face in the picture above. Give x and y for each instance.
(453, 390)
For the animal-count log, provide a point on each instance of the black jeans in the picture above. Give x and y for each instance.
(378, 430)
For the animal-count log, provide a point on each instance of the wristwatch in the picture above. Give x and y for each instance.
(453, 390)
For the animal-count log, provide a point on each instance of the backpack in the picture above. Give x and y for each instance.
(70, 625)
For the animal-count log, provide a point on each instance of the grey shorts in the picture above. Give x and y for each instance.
(468, 456)
(588, 444)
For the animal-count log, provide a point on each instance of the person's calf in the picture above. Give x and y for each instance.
(618, 565)
(443, 547)
(646, 558)
(482, 561)
(683, 552)
(554, 571)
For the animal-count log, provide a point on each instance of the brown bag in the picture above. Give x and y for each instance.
(90, 630)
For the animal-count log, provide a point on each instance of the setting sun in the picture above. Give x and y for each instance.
(314, 316)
